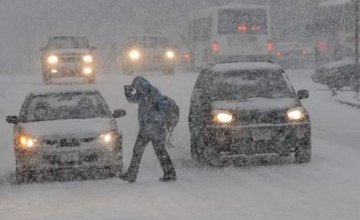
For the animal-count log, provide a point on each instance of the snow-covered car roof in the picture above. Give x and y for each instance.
(336, 64)
(62, 90)
(245, 66)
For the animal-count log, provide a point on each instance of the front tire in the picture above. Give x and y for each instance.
(303, 152)
(24, 176)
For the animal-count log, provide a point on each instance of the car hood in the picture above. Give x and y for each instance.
(261, 104)
(70, 128)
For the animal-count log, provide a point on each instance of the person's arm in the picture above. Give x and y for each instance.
(131, 95)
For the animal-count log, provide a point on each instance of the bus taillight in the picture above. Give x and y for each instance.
(216, 47)
(243, 28)
(270, 46)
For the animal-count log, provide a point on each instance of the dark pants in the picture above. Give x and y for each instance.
(158, 140)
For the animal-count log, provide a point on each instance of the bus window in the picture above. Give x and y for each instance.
(244, 20)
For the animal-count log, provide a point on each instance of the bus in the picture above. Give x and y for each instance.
(230, 33)
(333, 30)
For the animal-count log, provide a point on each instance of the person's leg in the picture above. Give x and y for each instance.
(138, 151)
(163, 156)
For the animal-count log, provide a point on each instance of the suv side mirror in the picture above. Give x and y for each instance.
(303, 94)
(118, 113)
(12, 119)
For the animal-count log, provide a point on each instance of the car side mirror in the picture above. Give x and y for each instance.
(12, 119)
(43, 49)
(303, 94)
(118, 113)
(93, 48)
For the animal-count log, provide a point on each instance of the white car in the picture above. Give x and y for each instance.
(64, 130)
(68, 56)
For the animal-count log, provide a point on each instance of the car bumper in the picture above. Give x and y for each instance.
(259, 140)
(150, 64)
(69, 70)
(80, 159)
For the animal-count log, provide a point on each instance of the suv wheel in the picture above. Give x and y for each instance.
(24, 176)
(90, 80)
(196, 149)
(128, 71)
(303, 152)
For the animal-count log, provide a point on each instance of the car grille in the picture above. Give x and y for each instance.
(70, 58)
(259, 117)
(67, 142)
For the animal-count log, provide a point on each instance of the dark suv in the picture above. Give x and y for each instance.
(242, 111)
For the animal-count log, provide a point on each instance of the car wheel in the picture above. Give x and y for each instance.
(303, 153)
(169, 71)
(24, 176)
(196, 150)
(90, 80)
(47, 79)
(128, 71)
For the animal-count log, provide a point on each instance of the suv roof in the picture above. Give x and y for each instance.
(245, 66)
(62, 90)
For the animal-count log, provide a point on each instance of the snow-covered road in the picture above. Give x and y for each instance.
(327, 188)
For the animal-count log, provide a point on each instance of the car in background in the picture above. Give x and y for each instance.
(245, 111)
(68, 56)
(66, 130)
(337, 75)
(148, 52)
(294, 55)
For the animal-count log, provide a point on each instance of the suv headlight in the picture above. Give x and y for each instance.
(296, 114)
(108, 137)
(170, 54)
(27, 142)
(88, 59)
(134, 55)
(53, 59)
(223, 117)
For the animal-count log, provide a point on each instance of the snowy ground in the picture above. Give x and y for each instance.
(327, 188)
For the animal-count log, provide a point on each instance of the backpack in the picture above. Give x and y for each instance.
(172, 116)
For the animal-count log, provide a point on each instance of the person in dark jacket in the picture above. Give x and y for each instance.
(151, 123)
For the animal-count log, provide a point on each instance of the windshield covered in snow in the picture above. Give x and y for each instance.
(68, 42)
(242, 85)
(63, 106)
(254, 20)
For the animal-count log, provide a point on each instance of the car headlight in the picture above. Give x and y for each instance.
(170, 54)
(88, 59)
(223, 117)
(27, 142)
(88, 70)
(53, 59)
(107, 138)
(134, 55)
(296, 114)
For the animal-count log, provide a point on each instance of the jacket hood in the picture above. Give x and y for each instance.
(141, 84)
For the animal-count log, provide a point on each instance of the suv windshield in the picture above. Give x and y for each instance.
(68, 42)
(243, 85)
(63, 106)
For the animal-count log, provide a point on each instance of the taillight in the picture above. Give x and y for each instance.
(279, 54)
(270, 46)
(321, 46)
(186, 56)
(216, 47)
(243, 28)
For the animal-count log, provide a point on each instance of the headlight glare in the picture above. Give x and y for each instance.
(170, 54)
(88, 59)
(134, 55)
(53, 59)
(223, 117)
(27, 142)
(296, 114)
(107, 138)
(88, 70)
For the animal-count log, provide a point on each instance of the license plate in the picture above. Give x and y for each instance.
(261, 135)
(69, 157)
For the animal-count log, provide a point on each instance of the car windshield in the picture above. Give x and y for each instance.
(63, 106)
(243, 85)
(68, 42)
